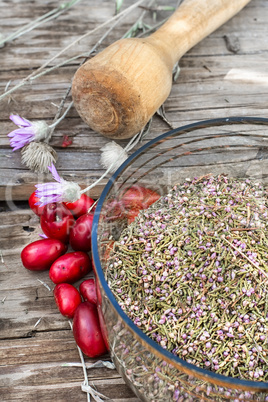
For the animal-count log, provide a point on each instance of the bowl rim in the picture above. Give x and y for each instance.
(147, 342)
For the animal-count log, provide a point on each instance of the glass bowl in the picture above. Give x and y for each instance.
(234, 146)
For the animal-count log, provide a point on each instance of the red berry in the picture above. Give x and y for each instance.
(40, 254)
(67, 299)
(87, 330)
(81, 206)
(56, 221)
(80, 235)
(88, 290)
(33, 199)
(70, 267)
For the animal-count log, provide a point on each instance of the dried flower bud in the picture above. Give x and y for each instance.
(37, 156)
(59, 191)
(113, 155)
(28, 132)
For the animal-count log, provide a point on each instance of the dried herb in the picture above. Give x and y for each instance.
(191, 272)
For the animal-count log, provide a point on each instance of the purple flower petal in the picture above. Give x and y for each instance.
(47, 189)
(57, 192)
(21, 136)
(48, 193)
(50, 199)
(43, 235)
(16, 147)
(19, 121)
(54, 172)
(18, 141)
(20, 131)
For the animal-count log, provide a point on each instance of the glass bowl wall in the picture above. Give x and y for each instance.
(237, 147)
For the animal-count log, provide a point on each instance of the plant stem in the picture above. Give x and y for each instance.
(53, 125)
(29, 77)
(131, 144)
(53, 14)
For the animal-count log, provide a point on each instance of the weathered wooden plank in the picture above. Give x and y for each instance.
(27, 305)
(15, 185)
(43, 346)
(47, 40)
(20, 290)
(229, 76)
(57, 36)
(214, 82)
(239, 24)
(32, 353)
(207, 73)
(115, 391)
(52, 373)
(22, 373)
(223, 94)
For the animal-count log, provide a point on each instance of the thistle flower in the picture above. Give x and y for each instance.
(37, 156)
(113, 155)
(27, 132)
(62, 191)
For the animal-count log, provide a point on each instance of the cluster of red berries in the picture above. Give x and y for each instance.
(69, 225)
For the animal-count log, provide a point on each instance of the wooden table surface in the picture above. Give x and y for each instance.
(224, 75)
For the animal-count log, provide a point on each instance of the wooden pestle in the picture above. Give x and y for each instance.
(117, 91)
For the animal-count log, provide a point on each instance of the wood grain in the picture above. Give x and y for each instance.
(214, 81)
(35, 340)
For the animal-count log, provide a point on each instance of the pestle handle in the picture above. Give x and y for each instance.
(192, 22)
(118, 91)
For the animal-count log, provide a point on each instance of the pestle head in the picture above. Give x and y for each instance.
(117, 91)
